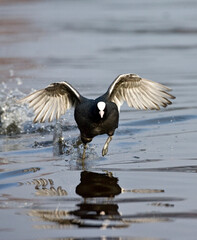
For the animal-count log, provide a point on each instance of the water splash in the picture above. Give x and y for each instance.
(12, 115)
(16, 118)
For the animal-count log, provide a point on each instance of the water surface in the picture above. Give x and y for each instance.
(145, 188)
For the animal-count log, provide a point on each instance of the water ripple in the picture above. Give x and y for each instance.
(18, 172)
(161, 120)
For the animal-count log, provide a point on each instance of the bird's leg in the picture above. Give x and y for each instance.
(84, 151)
(105, 148)
(78, 142)
(58, 140)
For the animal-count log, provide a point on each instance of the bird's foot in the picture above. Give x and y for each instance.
(105, 148)
(104, 151)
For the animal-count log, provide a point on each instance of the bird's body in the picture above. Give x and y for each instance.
(99, 116)
(91, 124)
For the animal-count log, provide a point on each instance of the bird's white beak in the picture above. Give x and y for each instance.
(101, 113)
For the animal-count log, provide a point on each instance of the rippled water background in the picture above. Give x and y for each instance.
(145, 188)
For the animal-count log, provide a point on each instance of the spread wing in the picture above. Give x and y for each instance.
(138, 92)
(53, 101)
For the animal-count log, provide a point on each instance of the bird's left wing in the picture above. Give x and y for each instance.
(53, 101)
(138, 92)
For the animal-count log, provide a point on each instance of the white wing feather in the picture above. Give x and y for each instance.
(52, 102)
(138, 92)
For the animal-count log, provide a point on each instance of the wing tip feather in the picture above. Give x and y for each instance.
(62, 94)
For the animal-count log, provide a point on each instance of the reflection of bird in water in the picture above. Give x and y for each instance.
(98, 191)
(45, 187)
(97, 208)
(98, 185)
(99, 116)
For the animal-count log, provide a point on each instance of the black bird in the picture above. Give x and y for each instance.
(99, 116)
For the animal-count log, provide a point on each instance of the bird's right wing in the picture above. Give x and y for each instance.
(53, 101)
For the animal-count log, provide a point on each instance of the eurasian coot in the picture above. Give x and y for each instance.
(99, 116)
